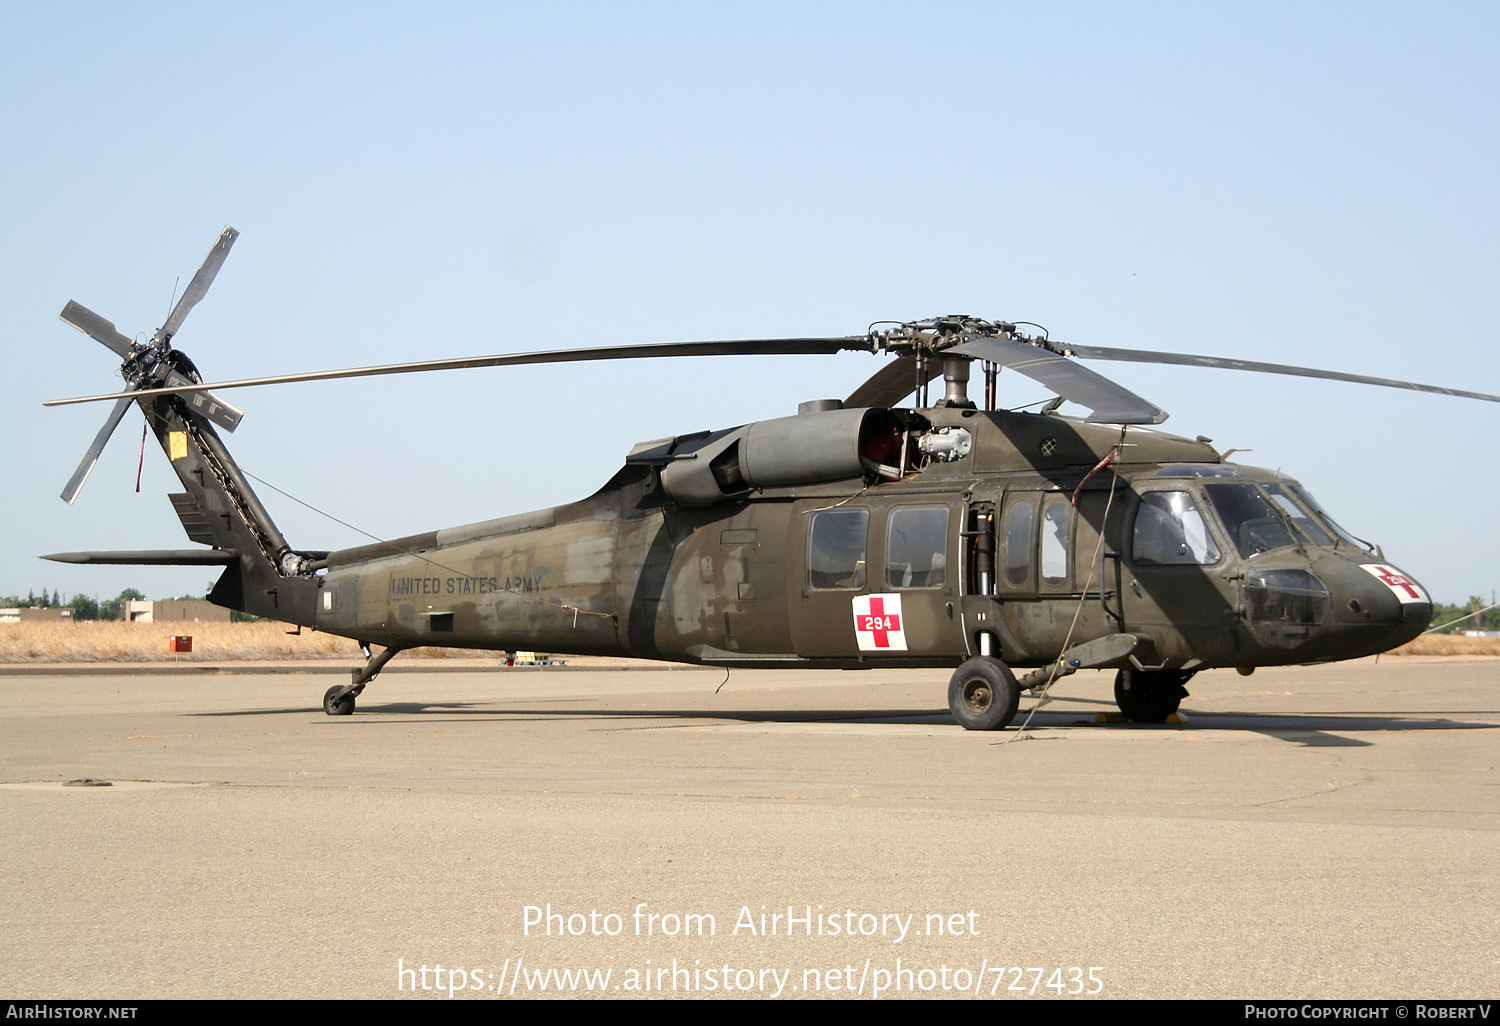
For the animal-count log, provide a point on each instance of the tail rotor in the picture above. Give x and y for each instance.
(153, 363)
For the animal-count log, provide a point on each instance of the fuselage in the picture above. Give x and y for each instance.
(997, 548)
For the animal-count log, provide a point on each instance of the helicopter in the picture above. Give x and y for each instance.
(857, 534)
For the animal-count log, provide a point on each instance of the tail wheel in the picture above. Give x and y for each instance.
(338, 706)
(1150, 696)
(983, 694)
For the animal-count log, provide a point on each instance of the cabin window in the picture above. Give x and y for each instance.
(1170, 530)
(916, 547)
(1018, 523)
(836, 548)
(1055, 523)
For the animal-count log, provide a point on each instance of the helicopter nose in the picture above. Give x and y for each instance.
(1415, 605)
(1378, 593)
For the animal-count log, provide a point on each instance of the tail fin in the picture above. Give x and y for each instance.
(219, 508)
(263, 576)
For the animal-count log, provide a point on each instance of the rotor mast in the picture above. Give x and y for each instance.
(927, 341)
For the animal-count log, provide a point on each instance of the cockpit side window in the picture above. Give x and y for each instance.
(1170, 530)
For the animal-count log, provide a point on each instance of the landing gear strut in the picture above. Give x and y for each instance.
(339, 699)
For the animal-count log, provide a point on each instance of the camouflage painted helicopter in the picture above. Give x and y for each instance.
(857, 534)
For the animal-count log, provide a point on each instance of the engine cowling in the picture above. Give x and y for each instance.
(810, 448)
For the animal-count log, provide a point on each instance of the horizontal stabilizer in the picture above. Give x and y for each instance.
(193, 519)
(1110, 650)
(150, 557)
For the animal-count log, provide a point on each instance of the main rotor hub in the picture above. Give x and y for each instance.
(148, 365)
(933, 335)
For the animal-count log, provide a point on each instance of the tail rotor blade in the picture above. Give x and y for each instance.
(95, 327)
(75, 483)
(211, 406)
(198, 287)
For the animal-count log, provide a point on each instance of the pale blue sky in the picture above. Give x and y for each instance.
(1297, 183)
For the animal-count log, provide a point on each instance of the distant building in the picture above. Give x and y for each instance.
(51, 614)
(175, 611)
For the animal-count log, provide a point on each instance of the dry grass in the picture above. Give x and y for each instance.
(113, 641)
(1449, 644)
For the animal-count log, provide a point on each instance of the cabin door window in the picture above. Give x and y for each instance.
(1057, 521)
(1020, 524)
(916, 547)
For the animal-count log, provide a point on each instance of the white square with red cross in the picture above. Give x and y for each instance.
(1404, 588)
(877, 623)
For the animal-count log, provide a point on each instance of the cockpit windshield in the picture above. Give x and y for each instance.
(1253, 524)
(1306, 498)
(1298, 515)
(1257, 517)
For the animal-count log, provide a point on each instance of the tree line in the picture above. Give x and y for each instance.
(1486, 621)
(84, 607)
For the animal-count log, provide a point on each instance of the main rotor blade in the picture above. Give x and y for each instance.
(1187, 360)
(90, 458)
(1111, 403)
(198, 287)
(95, 327)
(731, 347)
(891, 383)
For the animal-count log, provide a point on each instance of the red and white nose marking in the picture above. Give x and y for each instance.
(1403, 587)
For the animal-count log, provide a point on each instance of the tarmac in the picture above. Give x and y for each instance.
(474, 833)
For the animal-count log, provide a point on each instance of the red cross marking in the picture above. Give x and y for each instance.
(878, 623)
(1396, 580)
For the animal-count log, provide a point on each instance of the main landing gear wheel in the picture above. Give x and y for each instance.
(983, 694)
(338, 707)
(1150, 696)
